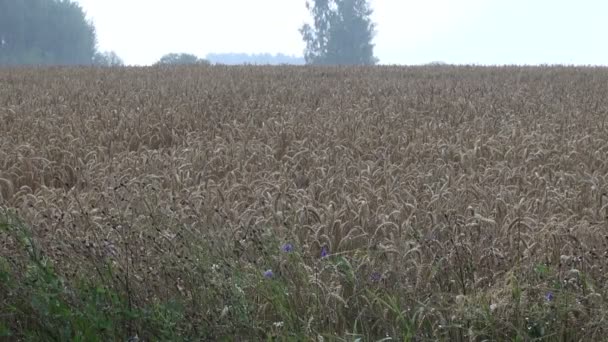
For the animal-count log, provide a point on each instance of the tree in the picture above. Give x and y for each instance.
(258, 59)
(181, 59)
(342, 33)
(44, 32)
(107, 59)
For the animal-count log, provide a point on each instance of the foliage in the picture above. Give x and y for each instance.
(287, 203)
(342, 33)
(41, 305)
(181, 59)
(107, 59)
(45, 32)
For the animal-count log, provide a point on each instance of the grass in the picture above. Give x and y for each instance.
(294, 203)
(41, 305)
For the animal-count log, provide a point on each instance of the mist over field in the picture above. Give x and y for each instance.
(408, 32)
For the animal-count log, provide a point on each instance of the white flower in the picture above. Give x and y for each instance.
(278, 324)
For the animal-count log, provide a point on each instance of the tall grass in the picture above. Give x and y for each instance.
(296, 203)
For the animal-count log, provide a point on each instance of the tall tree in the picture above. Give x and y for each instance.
(342, 33)
(45, 32)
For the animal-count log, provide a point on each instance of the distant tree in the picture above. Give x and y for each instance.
(180, 59)
(44, 32)
(437, 63)
(107, 59)
(263, 58)
(342, 33)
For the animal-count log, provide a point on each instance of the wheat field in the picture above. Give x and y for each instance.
(298, 203)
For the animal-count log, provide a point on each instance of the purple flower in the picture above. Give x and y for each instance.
(375, 277)
(268, 274)
(549, 296)
(324, 252)
(287, 248)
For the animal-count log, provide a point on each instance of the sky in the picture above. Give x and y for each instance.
(408, 31)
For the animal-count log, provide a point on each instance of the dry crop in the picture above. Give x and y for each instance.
(417, 203)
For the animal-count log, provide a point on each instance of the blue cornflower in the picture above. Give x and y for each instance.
(549, 296)
(268, 274)
(375, 277)
(287, 248)
(324, 252)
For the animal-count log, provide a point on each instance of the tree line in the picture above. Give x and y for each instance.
(256, 58)
(56, 32)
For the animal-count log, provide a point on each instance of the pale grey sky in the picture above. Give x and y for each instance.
(409, 31)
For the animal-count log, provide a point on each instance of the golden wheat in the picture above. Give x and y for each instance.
(451, 183)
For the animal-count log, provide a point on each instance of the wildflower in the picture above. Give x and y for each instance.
(549, 296)
(268, 274)
(287, 248)
(375, 277)
(278, 324)
(324, 252)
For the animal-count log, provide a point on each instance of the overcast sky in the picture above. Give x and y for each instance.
(408, 31)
